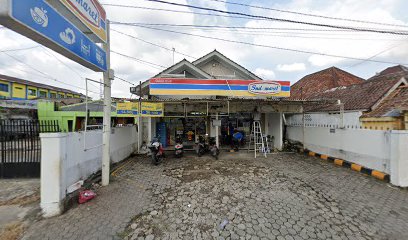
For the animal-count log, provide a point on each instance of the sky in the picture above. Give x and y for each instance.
(42, 65)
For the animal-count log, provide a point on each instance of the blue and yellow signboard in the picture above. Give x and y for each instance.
(152, 109)
(149, 109)
(128, 108)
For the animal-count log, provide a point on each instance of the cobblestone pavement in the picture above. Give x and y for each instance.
(287, 196)
(19, 200)
(14, 189)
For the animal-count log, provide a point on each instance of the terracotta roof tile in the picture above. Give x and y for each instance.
(394, 103)
(322, 81)
(361, 96)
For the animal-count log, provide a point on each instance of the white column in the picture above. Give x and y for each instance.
(217, 132)
(399, 158)
(279, 138)
(53, 157)
(107, 102)
(150, 129)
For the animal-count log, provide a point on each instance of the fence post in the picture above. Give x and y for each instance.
(53, 158)
(399, 158)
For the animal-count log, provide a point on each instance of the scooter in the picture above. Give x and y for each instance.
(178, 148)
(213, 148)
(202, 147)
(157, 151)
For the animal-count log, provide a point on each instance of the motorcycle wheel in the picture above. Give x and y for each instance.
(154, 159)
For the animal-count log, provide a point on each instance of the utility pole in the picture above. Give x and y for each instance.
(173, 54)
(107, 102)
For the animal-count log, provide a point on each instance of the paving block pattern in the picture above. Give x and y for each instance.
(286, 196)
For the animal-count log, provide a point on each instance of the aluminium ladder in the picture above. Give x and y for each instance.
(257, 138)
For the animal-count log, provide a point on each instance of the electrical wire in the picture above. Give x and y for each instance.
(325, 30)
(377, 54)
(260, 33)
(269, 46)
(66, 65)
(176, 11)
(45, 74)
(19, 49)
(280, 19)
(153, 65)
(119, 78)
(154, 44)
(311, 15)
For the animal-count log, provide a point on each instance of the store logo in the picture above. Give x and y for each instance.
(68, 36)
(87, 9)
(39, 16)
(267, 88)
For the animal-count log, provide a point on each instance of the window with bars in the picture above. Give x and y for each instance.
(32, 92)
(4, 87)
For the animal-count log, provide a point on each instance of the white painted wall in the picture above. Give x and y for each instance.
(399, 158)
(64, 161)
(385, 151)
(351, 119)
(368, 148)
(274, 127)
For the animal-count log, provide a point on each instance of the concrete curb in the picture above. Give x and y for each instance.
(340, 162)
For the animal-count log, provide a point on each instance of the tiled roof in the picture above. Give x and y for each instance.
(322, 81)
(392, 105)
(34, 84)
(362, 96)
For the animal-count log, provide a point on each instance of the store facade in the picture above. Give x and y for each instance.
(213, 97)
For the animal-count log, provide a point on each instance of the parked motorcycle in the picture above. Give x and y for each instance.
(178, 148)
(213, 148)
(202, 146)
(157, 151)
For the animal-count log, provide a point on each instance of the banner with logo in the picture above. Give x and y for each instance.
(92, 15)
(219, 87)
(152, 109)
(128, 108)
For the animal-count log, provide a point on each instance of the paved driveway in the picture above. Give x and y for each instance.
(286, 196)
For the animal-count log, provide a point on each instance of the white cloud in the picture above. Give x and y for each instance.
(265, 74)
(294, 67)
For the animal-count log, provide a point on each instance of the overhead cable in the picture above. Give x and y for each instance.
(271, 47)
(154, 65)
(310, 15)
(154, 44)
(280, 19)
(45, 74)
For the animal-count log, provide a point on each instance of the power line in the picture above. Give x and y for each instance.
(177, 11)
(19, 49)
(281, 19)
(259, 33)
(45, 74)
(119, 78)
(154, 65)
(311, 15)
(245, 27)
(66, 65)
(268, 46)
(375, 55)
(154, 44)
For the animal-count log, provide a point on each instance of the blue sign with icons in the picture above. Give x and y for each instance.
(40, 17)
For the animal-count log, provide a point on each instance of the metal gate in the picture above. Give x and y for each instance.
(20, 146)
